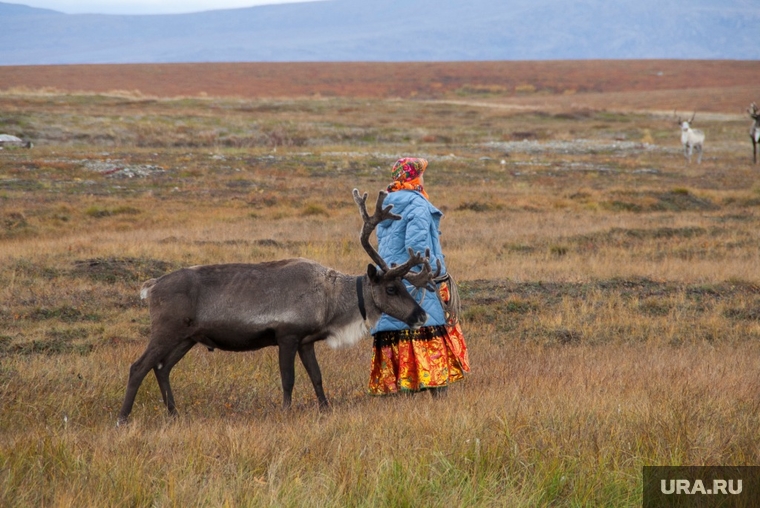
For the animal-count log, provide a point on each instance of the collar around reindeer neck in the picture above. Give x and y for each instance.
(360, 294)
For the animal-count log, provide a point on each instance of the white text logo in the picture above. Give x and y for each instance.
(698, 487)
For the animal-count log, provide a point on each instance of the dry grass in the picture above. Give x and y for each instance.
(707, 85)
(610, 297)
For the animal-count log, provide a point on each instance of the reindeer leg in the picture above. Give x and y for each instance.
(164, 339)
(309, 359)
(287, 356)
(163, 369)
(137, 372)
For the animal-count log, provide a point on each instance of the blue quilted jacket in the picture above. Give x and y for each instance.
(418, 229)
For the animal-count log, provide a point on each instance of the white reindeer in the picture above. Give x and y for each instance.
(691, 139)
(754, 130)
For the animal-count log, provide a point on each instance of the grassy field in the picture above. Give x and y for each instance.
(610, 290)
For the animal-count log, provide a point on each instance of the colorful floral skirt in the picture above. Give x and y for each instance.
(414, 360)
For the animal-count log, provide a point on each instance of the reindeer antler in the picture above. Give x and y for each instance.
(424, 278)
(752, 110)
(692, 117)
(421, 279)
(370, 223)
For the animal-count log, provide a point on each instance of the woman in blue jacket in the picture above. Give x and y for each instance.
(435, 355)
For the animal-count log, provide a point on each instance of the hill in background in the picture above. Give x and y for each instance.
(392, 31)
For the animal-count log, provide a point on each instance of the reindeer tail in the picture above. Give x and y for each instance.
(146, 287)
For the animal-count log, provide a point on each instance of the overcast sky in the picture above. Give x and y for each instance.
(143, 6)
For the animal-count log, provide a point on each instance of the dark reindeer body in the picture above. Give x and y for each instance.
(754, 130)
(244, 307)
(290, 304)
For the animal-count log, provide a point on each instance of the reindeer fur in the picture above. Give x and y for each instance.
(291, 304)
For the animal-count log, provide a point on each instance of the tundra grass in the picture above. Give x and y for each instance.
(609, 303)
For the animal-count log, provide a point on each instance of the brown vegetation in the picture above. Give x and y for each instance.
(609, 290)
(716, 86)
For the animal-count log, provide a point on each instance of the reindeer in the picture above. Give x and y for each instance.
(290, 304)
(691, 139)
(754, 130)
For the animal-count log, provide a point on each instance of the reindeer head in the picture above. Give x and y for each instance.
(389, 293)
(685, 124)
(753, 111)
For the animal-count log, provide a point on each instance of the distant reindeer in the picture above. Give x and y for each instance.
(691, 139)
(290, 304)
(754, 130)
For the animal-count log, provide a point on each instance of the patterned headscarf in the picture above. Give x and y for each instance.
(406, 175)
